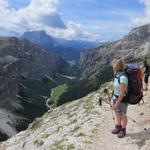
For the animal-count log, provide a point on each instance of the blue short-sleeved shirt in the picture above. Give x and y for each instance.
(124, 80)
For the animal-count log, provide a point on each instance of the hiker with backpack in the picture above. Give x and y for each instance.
(127, 89)
(146, 74)
(120, 105)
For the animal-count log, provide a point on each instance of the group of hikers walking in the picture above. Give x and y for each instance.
(127, 89)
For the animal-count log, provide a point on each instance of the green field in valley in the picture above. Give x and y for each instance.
(57, 91)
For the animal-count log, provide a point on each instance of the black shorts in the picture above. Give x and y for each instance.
(146, 76)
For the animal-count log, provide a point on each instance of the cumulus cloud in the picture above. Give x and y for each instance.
(73, 31)
(38, 15)
(144, 18)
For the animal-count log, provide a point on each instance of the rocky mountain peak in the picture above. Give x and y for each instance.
(140, 33)
(134, 45)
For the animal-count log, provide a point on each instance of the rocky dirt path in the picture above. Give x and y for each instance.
(84, 125)
(136, 138)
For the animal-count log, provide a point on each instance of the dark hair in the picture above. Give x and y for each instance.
(145, 62)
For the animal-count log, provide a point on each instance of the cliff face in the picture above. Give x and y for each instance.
(21, 62)
(134, 45)
(29, 59)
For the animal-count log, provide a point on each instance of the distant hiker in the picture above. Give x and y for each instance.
(146, 74)
(118, 97)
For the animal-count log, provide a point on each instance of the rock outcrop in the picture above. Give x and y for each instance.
(21, 61)
(133, 46)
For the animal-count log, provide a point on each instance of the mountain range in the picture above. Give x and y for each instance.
(67, 49)
(132, 47)
(95, 64)
(26, 73)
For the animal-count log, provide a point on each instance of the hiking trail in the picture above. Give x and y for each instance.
(136, 138)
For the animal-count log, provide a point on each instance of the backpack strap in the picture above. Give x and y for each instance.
(118, 77)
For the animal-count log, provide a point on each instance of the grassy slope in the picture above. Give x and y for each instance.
(79, 88)
(57, 91)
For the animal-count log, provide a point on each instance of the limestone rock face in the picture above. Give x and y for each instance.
(20, 59)
(134, 45)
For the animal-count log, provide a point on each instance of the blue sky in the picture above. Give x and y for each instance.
(76, 19)
(17, 4)
(101, 16)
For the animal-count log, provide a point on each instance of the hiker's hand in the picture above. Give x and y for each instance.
(109, 98)
(116, 106)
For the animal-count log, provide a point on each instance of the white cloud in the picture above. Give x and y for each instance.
(38, 15)
(31, 17)
(73, 31)
(144, 18)
(108, 29)
(147, 6)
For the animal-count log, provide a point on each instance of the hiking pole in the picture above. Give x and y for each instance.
(134, 121)
(108, 102)
(100, 101)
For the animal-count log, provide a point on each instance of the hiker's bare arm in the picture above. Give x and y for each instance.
(122, 92)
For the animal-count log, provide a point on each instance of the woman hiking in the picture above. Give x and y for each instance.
(118, 97)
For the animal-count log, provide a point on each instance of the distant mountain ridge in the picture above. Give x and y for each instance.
(135, 45)
(67, 49)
